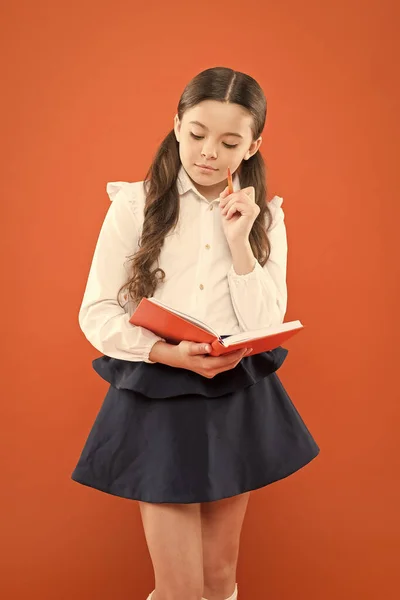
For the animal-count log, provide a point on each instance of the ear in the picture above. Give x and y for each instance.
(253, 148)
(177, 127)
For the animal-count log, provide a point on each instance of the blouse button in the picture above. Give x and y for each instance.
(208, 246)
(201, 286)
(211, 206)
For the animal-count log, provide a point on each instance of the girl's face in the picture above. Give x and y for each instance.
(217, 135)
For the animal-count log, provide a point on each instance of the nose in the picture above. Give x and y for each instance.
(208, 152)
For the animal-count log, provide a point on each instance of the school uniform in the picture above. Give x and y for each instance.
(165, 434)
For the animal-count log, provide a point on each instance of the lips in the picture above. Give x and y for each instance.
(206, 167)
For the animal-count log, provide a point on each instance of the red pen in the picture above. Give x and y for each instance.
(230, 183)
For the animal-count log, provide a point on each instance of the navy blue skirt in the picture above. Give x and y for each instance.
(165, 434)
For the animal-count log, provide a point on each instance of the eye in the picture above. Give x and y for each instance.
(199, 137)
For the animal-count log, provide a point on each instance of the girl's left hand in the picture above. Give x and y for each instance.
(238, 213)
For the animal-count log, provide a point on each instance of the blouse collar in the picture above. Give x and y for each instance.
(185, 184)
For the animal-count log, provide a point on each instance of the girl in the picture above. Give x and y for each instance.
(185, 434)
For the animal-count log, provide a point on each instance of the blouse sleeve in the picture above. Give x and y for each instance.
(103, 321)
(259, 298)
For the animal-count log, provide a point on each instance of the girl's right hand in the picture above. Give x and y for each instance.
(193, 356)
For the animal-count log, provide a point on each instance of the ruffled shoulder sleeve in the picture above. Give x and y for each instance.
(277, 213)
(132, 192)
(276, 202)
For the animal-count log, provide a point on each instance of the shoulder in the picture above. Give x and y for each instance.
(128, 194)
(276, 210)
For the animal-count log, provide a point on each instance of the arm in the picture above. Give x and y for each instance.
(103, 321)
(259, 294)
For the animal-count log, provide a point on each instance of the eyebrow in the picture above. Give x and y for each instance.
(227, 133)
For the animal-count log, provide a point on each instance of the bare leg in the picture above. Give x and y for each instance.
(174, 540)
(221, 523)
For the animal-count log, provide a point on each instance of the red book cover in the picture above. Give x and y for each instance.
(175, 326)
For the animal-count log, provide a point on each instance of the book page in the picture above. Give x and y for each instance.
(186, 317)
(259, 333)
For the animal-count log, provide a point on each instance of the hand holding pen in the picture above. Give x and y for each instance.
(238, 211)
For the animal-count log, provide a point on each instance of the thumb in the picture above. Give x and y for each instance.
(196, 348)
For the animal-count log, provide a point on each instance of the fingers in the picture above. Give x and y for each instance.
(227, 366)
(242, 201)
(242, 208)
(239, 354)
(195, 348)
(220, 363)
(233, 356)
(233, 207)
(245, 193)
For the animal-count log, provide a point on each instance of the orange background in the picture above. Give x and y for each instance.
(89, 91)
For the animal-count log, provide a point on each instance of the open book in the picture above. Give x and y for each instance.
(175, 326)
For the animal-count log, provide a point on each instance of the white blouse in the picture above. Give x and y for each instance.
(200, 278)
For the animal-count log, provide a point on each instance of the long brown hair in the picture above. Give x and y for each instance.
(161, 211)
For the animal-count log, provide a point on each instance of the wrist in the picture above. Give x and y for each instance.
(164, 353)
(243, 259)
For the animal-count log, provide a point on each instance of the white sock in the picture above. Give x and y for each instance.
(233, 597)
